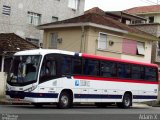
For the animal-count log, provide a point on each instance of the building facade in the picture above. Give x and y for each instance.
(22, 16)
(152, 25)
(99, 35)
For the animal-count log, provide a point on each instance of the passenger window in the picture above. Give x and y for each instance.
(48, 69)
(127, 71)
(136, 72)
(108, 69)
(150, 74)
(66, 65)
(142, 73)
(124, 70)
(77, 66)
(90, 67)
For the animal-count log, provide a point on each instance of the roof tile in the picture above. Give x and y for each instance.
(97, 19)
(11, 42)
(143, 9)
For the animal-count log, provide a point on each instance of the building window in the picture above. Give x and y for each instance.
(102, 41)
(133, 47)
(54, 19)
(137, 22)
(151, 19)
(53, 42)
(34, 18)
(140, 48)
(34, 41)
(73, 4)
(129, 46)
(6, 10)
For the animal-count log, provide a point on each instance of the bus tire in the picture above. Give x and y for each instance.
(65, 100)
(127, 101)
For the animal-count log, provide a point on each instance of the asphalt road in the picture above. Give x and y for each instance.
(50, 112)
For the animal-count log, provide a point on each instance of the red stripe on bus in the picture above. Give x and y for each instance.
(114, 79)
(117, 60)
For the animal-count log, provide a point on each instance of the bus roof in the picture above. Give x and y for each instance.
(48, 51)
(43, 52)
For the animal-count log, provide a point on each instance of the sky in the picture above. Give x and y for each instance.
(117, 5)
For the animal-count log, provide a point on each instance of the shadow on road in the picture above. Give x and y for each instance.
(74, 107)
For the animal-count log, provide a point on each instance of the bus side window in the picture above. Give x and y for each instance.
(66, 65)
(90, 67)
(142, 73)
(136, 73)
(150, 74)
(48, 69)
(124, 71)
(127, 71)
(108, 69)
(121, 70)
(77, 66)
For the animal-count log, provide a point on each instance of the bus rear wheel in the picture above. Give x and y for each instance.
(65, 100)
(127, 101)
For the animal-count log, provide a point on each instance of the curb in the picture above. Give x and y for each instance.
(11, 102)
(156, 106)
(139, 105)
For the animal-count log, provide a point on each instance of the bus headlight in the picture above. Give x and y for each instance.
(30, 89)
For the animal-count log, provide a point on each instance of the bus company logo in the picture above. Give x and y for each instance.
(77, 83)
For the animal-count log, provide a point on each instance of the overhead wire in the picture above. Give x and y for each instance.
(149, 1)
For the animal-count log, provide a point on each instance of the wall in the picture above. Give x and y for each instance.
(71, 39)
(2, 83)
(74, 40)
(112, 51)
(17, 22)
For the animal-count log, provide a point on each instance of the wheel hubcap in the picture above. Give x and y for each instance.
(127, 101)
(64, 100)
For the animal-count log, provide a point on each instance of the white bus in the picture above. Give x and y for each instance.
(53, 76)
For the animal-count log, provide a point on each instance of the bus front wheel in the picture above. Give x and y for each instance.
(127, 101)
(65, 100)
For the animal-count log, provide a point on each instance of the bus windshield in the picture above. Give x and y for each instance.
(24, 70)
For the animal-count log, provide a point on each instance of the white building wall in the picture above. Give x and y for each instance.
(17, 22)
(2, 83)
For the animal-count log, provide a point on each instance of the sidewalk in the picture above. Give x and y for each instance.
(140, 105)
